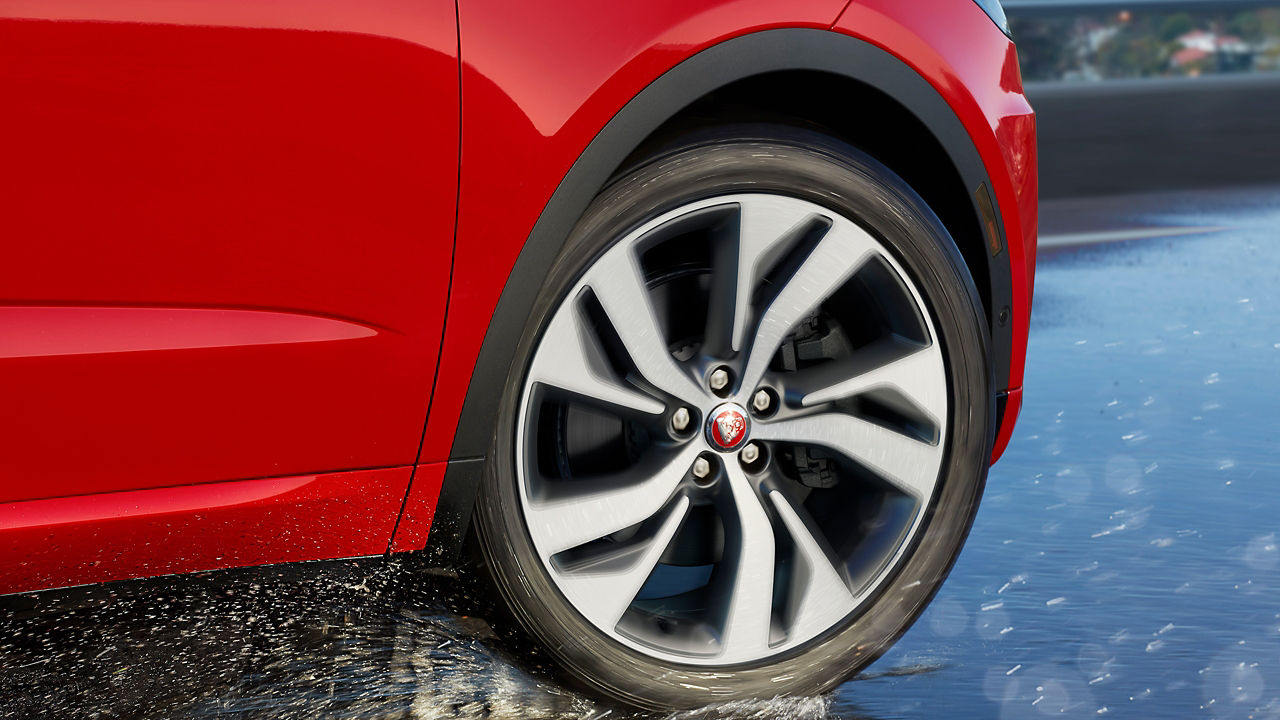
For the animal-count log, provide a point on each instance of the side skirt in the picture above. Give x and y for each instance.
(59, 542)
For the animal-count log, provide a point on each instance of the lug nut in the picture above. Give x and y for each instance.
(761, 401)
(701, 468)
(680, 420)
(750, 453)
(719, 379)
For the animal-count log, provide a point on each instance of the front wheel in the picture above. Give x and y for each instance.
(749, 426)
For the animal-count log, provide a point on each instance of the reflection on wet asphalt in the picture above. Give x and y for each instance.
(1125, 561)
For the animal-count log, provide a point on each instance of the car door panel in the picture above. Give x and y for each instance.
(226, 229)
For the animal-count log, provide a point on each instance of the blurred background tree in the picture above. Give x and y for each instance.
(1139, 49)
(1175, 26)
(1042, 52)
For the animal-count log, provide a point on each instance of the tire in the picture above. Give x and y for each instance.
(589, 437)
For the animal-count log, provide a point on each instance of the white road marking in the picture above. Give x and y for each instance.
(1109, 236)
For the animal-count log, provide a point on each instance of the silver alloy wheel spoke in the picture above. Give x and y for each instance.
(820, 597)
(603, 596)
(909, 464)
(749, 615)
(766, 229)
(913, 371)
(618, 283)
(565, 523)
(573, 361)
(841, 253)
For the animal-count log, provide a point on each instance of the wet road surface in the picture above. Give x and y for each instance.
(1125, 562)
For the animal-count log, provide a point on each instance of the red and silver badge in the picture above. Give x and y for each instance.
(727, 427)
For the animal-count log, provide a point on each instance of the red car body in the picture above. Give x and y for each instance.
(259, 257)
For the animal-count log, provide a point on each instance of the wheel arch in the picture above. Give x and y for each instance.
(733, 74)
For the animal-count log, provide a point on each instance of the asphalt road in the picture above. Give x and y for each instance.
(1125, 562)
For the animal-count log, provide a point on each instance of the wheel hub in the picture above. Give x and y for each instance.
(728, 427)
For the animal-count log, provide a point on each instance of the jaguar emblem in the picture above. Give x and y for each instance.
(728, 427)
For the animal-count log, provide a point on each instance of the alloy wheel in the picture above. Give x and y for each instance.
(731, 430)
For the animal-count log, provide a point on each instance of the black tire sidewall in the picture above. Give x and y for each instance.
(813, 167)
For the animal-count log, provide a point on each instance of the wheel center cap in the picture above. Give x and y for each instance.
(728, 427)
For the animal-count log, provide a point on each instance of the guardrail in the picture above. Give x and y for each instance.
(1034, 8)
(1133, 135)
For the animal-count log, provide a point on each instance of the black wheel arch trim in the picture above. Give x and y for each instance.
(739, 58)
